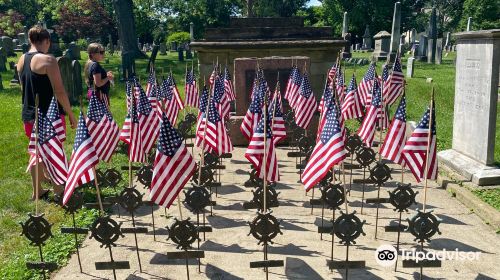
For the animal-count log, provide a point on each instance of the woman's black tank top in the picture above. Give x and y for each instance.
(34, 83)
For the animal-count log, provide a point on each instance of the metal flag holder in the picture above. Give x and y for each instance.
(347, 227)
(332, 195)
(329, 177)
(214, 163)
(257, 201)
(205, 177)
(196, 200)
(364, 156)
(184, 234)
(74, 203)
(353, 143)
(379, 174)
(144, 176)
(131, 199)
(107, 231)
(402, 197)
(254, 180)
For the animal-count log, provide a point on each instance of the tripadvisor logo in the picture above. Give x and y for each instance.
(386, 255)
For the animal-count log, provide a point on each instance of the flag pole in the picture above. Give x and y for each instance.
(37, 163)
(202, 157)
(429, 137)
(404, 138)
(264, 162)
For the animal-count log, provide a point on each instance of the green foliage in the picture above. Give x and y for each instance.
(490, 196)
(485, 14)
(178, 37)
(82, 44)
(11, 23)
(277, 8)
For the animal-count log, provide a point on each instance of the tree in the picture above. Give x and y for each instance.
(275, 8)
(126, 28)
(10, 23)
(484, 13)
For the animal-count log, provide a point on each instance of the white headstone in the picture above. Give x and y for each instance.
(396, 32)
(409, 67)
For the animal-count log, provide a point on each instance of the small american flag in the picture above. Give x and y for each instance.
(366, 86)
(340, 86)
(215, 73)
(83, 160)
(327, 94)
(396, 135)
(329, 150)
(173, 166)
(136, 148)
(50, 150)
(216, 137)
(325, 100)
(191, 90)
(255, 151)
(332, 73)
(148, 122)
(55, 117)
(221, 98)
(151, 82)
(367, 130)
(254, 112)
(200, 124)
(352, 107)
(415, 149)
(305, 105)
(385, 74)
(278, 122)
(170, 102)
(228, 85)
(102, 128)
(155, 102)
(393, 88)
(292, 86)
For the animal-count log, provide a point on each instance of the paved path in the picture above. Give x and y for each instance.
(228, 249)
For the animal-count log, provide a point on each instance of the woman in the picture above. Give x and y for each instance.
(39, 74)
(97, 77)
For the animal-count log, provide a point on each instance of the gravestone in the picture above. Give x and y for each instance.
(180, 54)
(73, 51)
(382, 45)
(23, 38)
(409, 67)
(367, 39)
(3, 60)
(431, 48)
(448, 41)
(163, 48)
(345, 23)
(173, 46)
(439, 51)
(66, 70)
(25, 48)
(469, 24)
(422, 48)
(475, 107)
(413, 36)
(54, 48)
(396, 33)
(152, 58)
(8, 45)
(15, 79)
(76, 71)
(191, 31)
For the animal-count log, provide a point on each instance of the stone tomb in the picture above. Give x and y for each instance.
(475, 112)
(382, 45)
(243, 81)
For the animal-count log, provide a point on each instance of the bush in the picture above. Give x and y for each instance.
(82, 44)
(178, 37)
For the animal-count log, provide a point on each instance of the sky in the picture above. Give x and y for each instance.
(313, 3)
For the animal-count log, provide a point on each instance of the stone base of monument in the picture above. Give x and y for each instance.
(476, 172)
(346, 55)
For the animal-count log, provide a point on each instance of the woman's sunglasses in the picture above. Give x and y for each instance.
(101, 52)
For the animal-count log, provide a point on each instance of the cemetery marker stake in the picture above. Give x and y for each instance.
(381, 126)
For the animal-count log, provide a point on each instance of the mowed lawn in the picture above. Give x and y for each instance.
(15, 184)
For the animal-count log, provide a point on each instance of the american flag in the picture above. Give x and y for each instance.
(415, 149)
(278, 122)
(221, 98)
(393, 88)
(352, 107)
(172, 106)
(83, 160)
(148, 122)
(136, 151)
(340, 86)
(216, 136)
(325, 100)
(329, 150)
(305, 104)
(132, 89)
(50, 150)
(367, 130)
(292, 86)
(332, 73)
(228, 85)
(366, 86)
(154, 100)
(173, 166)
(255, 151)
(102, 128)
(200, 125)
(55, 117)
(327, 94)
(396, 135)
(254, 112)
(385, 74)
(151, 82)
(191, 90)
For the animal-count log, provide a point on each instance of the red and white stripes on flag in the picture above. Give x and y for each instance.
(102, 128)
(136, 151)
(367, 129)
(173, 166)
(352, 107)
(254, 112)
(415, 150)
(191, 90)
(393, 88)
(292, 86)
(329, 150)
(83, 160)
(151, 83)
(148, 122)
(171, 98)
(365, 88)
(55, 117)
(396, 135)
(50, 150)
(305, 105)
(216, 134)
(276, 111)
(332, 73)
(221, 98)
(228, 85)
(255, 151)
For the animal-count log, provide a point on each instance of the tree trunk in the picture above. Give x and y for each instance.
(126, 28)
(250, 8)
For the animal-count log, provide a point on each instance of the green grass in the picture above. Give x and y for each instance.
(490, 196)
(15, 186)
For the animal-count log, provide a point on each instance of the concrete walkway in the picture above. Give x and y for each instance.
(229, 249)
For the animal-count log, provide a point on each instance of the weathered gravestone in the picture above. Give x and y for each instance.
(475, 109)
(74, 51)
(422, 48)
(3, 59)
(395, 33)
(76, 71)
(409, 67)
(431, 47)
(8, 45)
(382, 45)
(65, 68)
(163, 48)
(439, 51)
(367, 39)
